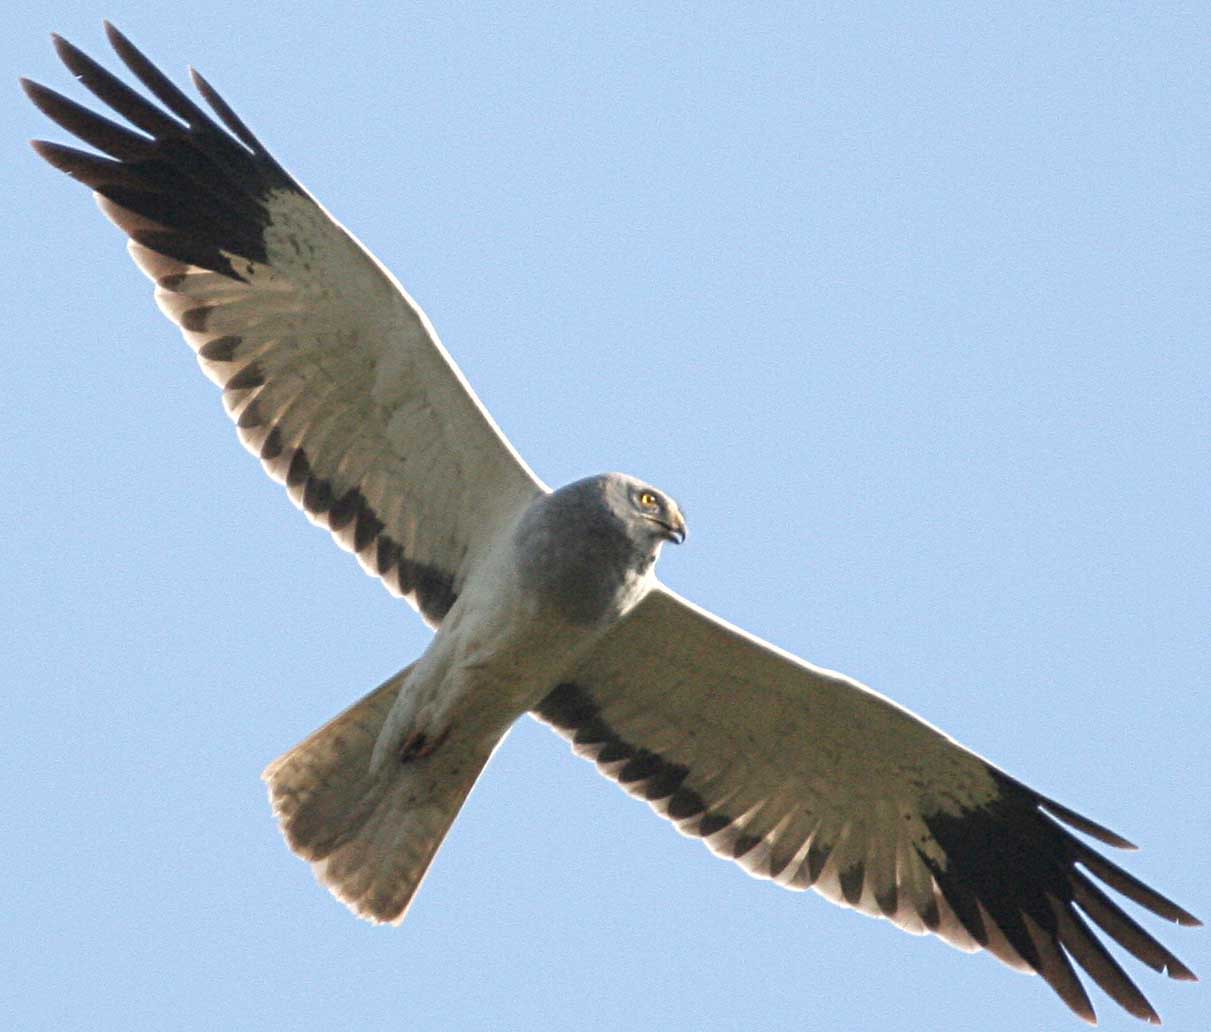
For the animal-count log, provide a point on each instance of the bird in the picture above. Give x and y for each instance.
(546, 602)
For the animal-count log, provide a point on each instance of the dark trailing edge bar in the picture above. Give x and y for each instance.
(207, 194)
(198, 195)
(1009, 857)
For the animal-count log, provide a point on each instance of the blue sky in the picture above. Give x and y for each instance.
(907, 305)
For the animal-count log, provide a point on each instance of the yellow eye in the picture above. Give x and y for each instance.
(647, 500)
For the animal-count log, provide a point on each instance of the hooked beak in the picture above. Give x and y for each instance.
(674, 528)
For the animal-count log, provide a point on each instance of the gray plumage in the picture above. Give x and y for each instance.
(547, 602)
(586, 550)
(368, 799)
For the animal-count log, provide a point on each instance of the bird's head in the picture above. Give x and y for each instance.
(649, 514)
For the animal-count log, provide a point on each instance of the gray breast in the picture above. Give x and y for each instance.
(576, 555)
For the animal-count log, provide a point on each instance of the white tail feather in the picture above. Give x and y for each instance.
(370, 833)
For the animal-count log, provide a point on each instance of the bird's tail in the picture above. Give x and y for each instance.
(370, 833)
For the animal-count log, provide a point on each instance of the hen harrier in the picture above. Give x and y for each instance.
(546, 601)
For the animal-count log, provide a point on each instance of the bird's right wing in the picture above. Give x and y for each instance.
(807, 777)
(333, 375)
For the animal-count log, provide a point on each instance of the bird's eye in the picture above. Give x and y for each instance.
(647, 500)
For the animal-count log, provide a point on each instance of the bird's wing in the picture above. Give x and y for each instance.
(807, 777)
(333, 375)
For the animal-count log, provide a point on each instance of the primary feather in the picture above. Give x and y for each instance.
(332, 374)
(547, 601)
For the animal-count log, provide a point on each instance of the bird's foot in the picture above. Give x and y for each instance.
(418, 746)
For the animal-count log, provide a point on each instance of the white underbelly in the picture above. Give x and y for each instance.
(486, 666)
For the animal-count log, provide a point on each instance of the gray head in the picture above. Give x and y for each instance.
(588, 548)
(648, 515)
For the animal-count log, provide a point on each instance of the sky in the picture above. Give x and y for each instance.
(905, 304)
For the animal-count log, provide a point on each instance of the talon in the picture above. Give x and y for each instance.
(417, 746)
(413, 747)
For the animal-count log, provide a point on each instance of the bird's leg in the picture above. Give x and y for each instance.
(418, 745)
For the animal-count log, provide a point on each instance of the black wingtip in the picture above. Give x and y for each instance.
(66, 50)
(228, 117)
(1082, 823)
(133, 57)
(43, 98)
(117, 38)
(1181, 974)
(61, 157)
(120, 42)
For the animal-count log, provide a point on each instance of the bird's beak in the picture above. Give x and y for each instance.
(675, 529)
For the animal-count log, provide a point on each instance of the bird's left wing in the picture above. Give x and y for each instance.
(807, 777)
(333, 375)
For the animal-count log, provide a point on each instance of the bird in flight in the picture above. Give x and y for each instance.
(546, 602)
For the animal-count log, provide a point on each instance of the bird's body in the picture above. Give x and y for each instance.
(574, 563)
(521, 621)
(547, 601)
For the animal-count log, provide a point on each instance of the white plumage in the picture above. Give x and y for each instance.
(547, 601)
